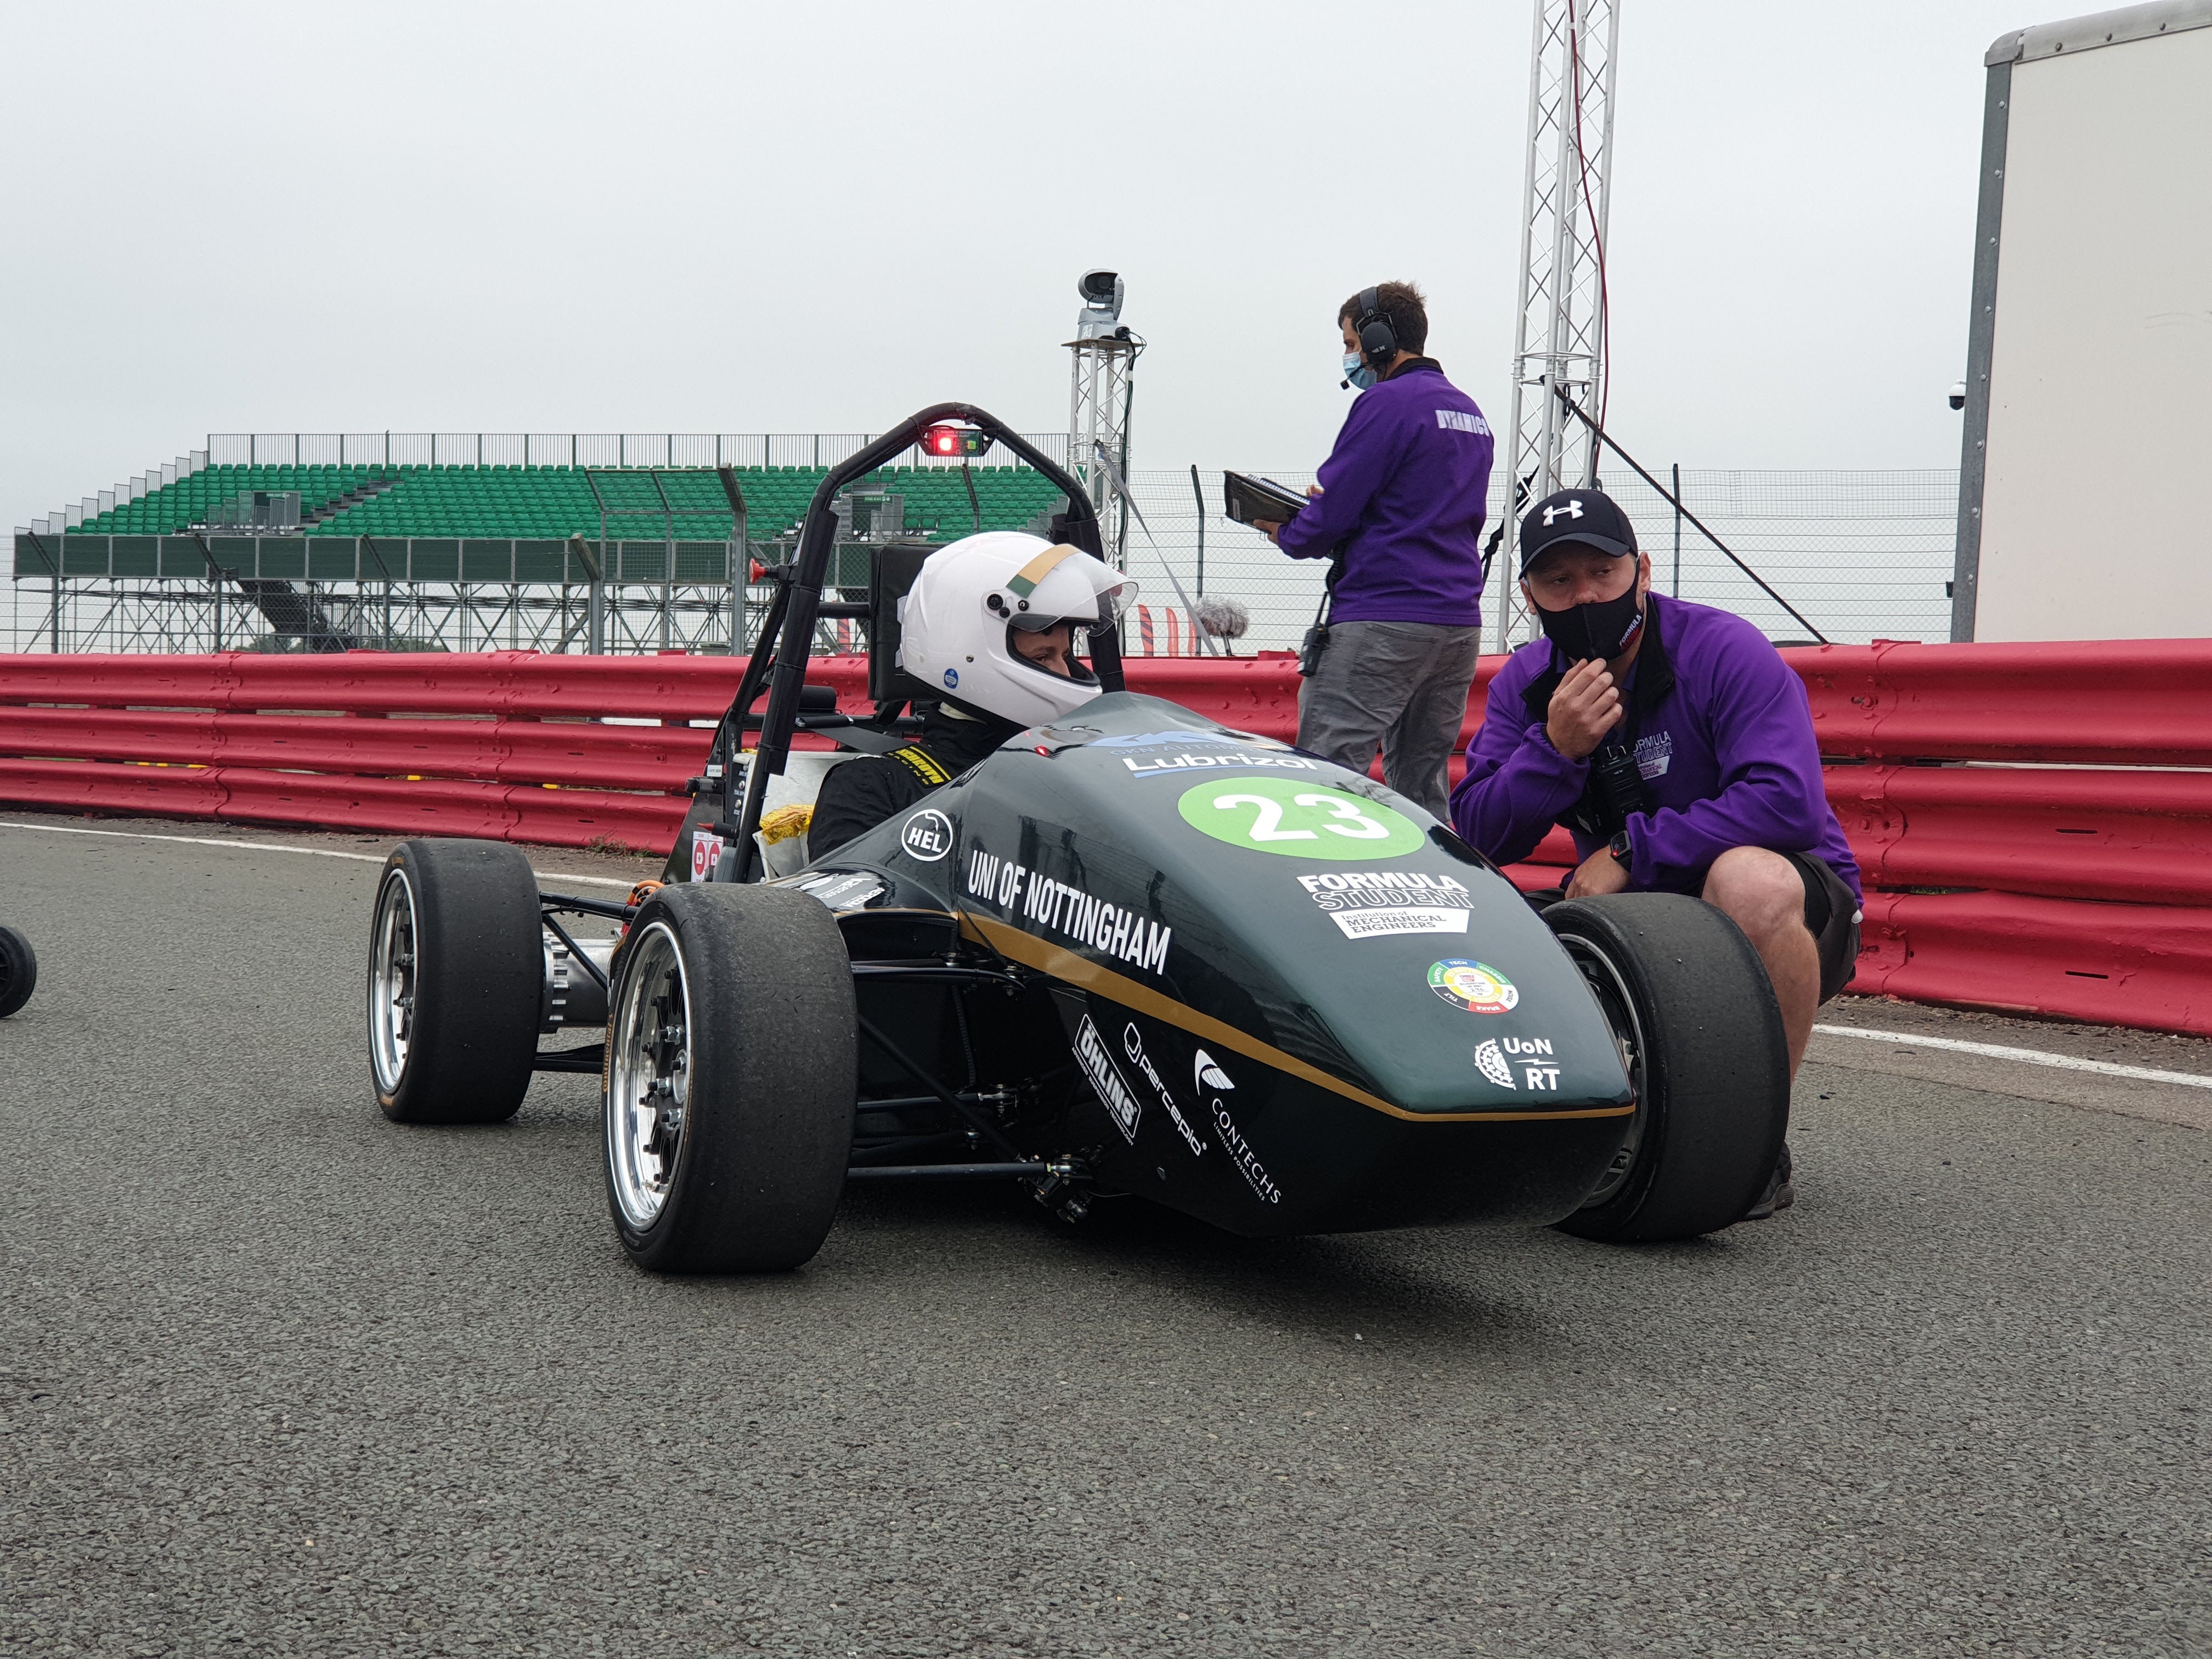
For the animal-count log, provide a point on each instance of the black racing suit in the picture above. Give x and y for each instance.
(859, 794)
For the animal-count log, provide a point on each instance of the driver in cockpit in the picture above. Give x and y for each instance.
(990, 627)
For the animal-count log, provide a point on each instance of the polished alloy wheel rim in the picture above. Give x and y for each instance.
(1611, 991)
(392, 979)
(648, 1075)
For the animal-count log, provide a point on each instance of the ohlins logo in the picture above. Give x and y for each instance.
(1061, 908)
(1098, 1066)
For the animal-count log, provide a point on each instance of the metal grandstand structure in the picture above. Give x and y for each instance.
(1561, 344)
(656, 555)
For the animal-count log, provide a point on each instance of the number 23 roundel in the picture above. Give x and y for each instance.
(1299, 820)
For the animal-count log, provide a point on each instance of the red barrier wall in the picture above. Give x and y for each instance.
(2093, 876)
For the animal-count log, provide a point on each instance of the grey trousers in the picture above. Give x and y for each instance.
(1402, 685)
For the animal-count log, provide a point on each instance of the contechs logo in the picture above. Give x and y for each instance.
(1211, 1078)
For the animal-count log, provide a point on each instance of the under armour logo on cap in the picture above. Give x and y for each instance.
(1584, 515)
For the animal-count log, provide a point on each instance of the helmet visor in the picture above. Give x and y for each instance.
(1063, 585)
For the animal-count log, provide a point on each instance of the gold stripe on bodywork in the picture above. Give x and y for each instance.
(1033, 953)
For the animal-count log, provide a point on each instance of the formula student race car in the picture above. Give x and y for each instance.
(1132, 952)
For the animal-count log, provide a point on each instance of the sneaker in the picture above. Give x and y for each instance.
(1780, 1194)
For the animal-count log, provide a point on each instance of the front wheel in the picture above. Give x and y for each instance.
(730, 1084)
(1701, 1035)
(455, 979)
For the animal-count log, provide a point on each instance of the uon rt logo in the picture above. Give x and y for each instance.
(927, 835)
(1497, 1058)
(1573, 509)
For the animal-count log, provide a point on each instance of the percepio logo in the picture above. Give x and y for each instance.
(1474, 985)
(927, 835)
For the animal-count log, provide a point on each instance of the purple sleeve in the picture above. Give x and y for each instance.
(1365, 455)
(1516, 784)
(1769, 764)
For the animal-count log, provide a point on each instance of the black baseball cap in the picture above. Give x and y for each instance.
(1588, 516)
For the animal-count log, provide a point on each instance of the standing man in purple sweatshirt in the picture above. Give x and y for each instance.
(1399, 509)
(1677, 747)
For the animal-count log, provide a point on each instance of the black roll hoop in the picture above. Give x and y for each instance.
(791, 617)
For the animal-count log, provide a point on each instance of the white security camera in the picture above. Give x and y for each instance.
(1102, 292)
(1958, 394)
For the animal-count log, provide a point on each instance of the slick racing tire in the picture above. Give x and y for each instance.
(730, 1081)
(19, 971)
(1701, 1034)
(456, 973)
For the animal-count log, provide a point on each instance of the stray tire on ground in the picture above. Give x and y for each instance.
(455, 976)
(730, 1081)
(19, 971)
(1691, 1004)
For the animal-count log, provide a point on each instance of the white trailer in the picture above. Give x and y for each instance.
(2087, 460)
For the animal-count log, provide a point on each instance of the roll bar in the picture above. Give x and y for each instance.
(800, 598)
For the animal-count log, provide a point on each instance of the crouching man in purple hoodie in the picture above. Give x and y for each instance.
(1676, 746)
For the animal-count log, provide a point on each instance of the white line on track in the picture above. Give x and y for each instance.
(2033, 1056)
(274, 846)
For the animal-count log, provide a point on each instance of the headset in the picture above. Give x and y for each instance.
(1378, 339)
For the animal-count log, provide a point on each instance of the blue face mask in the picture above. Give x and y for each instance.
(1356, 372)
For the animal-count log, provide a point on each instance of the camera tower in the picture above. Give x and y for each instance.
(1099, 397)
(1561, 344)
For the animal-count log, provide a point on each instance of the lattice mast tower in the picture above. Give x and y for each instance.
(1098, 399)
(1562, 340)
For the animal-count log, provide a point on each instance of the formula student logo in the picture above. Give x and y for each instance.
(1370, 903)
(927, 835)
(1474, 985)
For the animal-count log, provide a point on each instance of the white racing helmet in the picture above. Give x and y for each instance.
(957, 626)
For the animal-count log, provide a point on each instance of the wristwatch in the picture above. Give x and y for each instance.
(1623, 852)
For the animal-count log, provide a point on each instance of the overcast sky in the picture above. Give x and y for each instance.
(738, 217)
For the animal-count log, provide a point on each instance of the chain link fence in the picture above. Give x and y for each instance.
(1864, 555)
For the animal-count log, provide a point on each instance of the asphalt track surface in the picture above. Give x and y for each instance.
(278, 1376)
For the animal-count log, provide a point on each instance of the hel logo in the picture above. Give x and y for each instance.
(1210, 1075)
(952, 678)
(1571, 510)
(927, 835)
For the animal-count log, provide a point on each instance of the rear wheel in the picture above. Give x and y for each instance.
(455, 977)
(1701, 1035)
(19, 971)
(731, 1040)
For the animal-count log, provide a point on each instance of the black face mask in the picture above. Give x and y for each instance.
(1603, 629)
